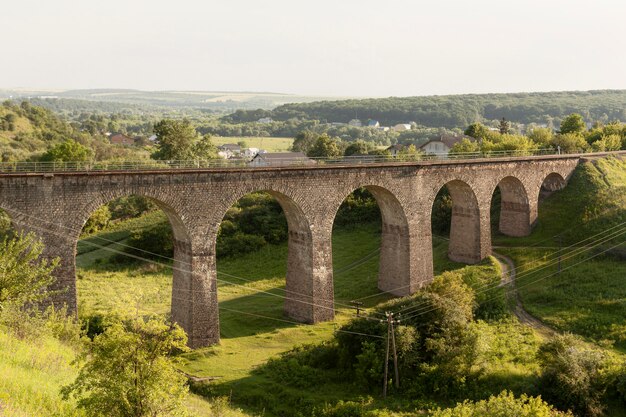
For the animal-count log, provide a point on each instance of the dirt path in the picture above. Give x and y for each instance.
(508, 278)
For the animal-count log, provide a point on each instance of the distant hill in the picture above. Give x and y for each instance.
(219, 101)
(461, 110)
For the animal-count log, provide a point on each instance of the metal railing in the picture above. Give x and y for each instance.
(150, 164)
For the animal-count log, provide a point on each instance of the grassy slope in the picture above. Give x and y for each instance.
(588, 298)
(33, 372)
(269, 144)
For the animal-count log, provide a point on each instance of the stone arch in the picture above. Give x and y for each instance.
(514, 207)
(186, 275)
(305, 300)
(465, 227)
(394, 272)
(553, 182)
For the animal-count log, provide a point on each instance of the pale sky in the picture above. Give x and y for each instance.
(318, 47)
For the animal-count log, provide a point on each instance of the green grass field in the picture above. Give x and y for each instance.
(587, 298)
(267, 143)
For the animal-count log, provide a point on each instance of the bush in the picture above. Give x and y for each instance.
(154, 241)
(573, 377)
(97, 221)
(504, 405)
(239, 244)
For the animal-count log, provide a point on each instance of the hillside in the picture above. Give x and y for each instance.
(461, 110)
(586, 298)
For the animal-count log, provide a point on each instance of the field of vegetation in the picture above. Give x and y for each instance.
(270, 144)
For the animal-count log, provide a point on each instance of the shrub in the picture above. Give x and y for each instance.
(97, 221)
(153, 241)
(573, 377)
(503, 405)
(127, 371)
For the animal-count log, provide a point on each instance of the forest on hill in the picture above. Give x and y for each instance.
(458, 110)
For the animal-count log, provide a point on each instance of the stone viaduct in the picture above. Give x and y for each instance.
(57, 205)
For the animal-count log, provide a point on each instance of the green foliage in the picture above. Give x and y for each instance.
(461, 110)
(358, 208)
(324, 147)
(154, 241)
(98, 220)
(465, 146)
(130, 207)
(304, 141)
(24, 275)
(574, 123)
(542, 136)
(67, 151)
(127, 371)
(573, 377)
(505, 126)
(503, 405)
(570, 143)
(442, 213)
(358, 147)
(477, 131)
(204, 148)
(175, 140)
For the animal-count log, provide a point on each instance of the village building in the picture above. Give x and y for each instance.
(401, 127)
(394, 150)
(355, 123)
(442, 144)
(281, 159)
(265, 120)
(121, 139)
(373, 123)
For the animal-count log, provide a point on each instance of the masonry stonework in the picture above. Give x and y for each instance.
(56, 207)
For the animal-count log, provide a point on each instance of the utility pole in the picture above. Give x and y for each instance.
(357, 305)
(391, 338)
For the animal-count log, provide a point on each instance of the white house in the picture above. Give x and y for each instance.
(373, 123)
(265, 120)
(401, 127)
(281, 159)
(442, 144)
(355, 123)
(249, 152)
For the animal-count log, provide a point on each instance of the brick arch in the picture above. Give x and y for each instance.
(302, 301)
(173, 210)
(465, 228)
(394, 272)
(515, 212)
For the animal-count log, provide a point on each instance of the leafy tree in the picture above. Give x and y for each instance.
(607, 143)
(574, 123)
(324, 147)
(304, 141)
(541, 136)
(410, 153)
(67, 151)
(570, 143)
(477, 131)
(505, 126)
(127, 371)
(503, 405)
(175, 140)
(204, 148)
(465, 146)
(24, 275)
(358, 147)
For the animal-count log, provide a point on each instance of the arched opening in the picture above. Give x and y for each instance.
(455, 210)
(552, 183)
(251, 243)
(133, 257)
(510, 208)
(370, 224)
